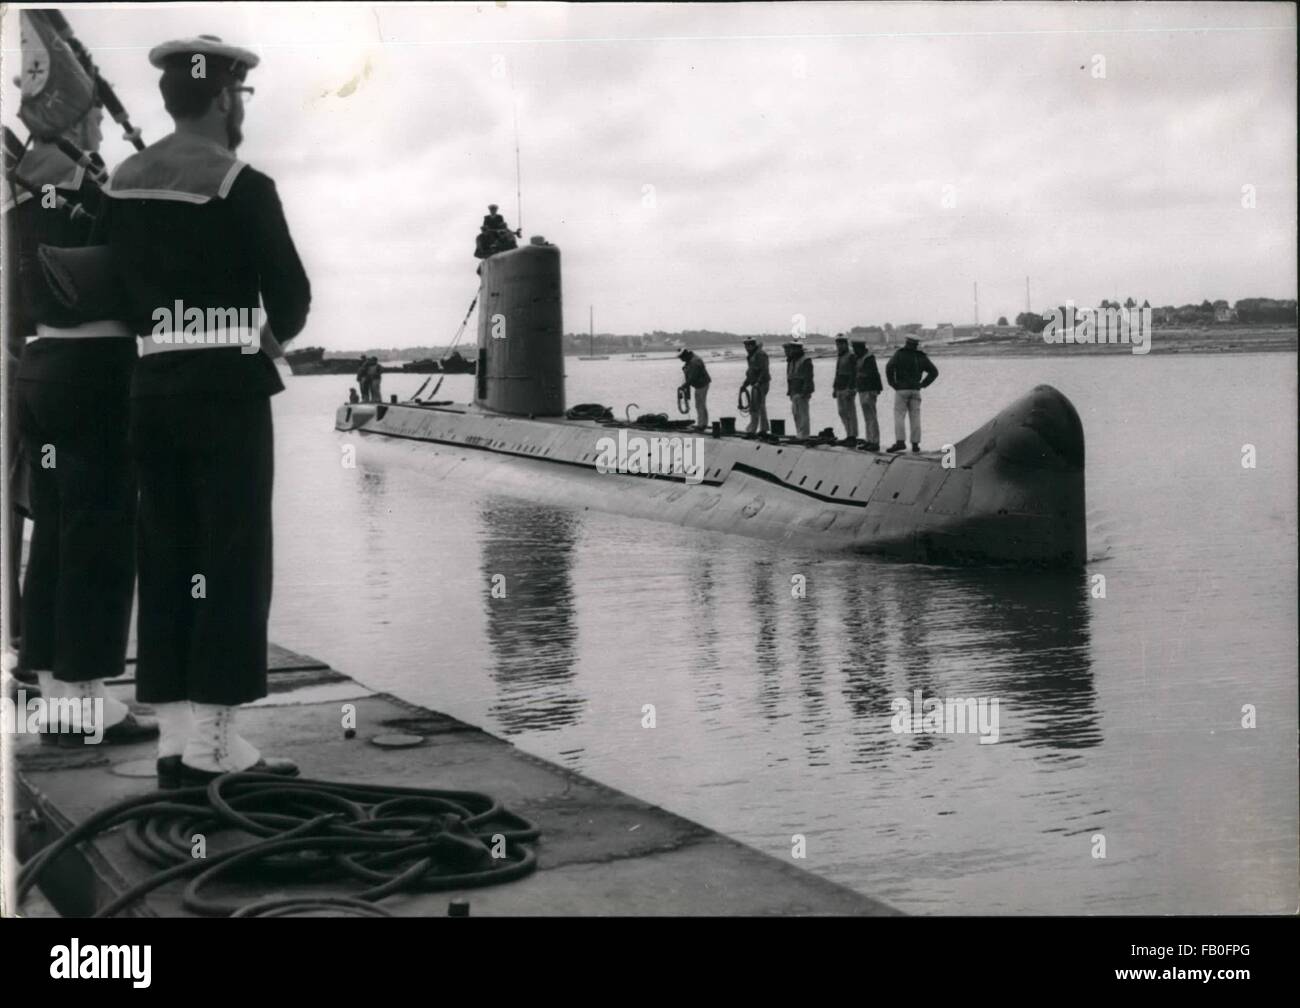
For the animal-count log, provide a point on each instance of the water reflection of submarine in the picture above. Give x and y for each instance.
(1015, 494)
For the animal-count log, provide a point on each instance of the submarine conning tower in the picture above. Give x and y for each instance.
(521, 332)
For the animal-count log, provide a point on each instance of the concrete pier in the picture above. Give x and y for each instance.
(602, 852)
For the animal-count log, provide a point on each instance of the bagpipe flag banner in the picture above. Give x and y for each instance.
(56, 92)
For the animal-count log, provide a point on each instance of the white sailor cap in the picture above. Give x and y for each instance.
(208, 45)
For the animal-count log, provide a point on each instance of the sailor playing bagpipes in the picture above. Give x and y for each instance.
(70, 397)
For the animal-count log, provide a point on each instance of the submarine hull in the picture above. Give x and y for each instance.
(1012, 493)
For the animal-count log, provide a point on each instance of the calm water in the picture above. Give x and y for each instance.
(1119, 716)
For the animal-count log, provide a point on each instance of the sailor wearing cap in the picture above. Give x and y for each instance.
(845, 387)
(696, 376)
(799, 386)
(868, 387)
(909, 370)
(758, 379)
(195, 228)
(70, 398)
(494, 235)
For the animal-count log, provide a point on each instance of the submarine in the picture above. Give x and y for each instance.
(1009, 494)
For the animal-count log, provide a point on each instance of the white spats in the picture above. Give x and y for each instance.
(94, 690)
(215, 745)
(175, 727)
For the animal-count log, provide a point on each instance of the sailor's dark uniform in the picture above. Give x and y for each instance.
(72, 391)
(190, 224)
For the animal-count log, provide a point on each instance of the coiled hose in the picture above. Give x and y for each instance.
(743, 399)
(683, 399)
(388, 839)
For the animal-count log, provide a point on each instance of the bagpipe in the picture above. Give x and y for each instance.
(59, 98)
(60, 86)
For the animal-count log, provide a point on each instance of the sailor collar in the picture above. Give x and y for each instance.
(181, 167)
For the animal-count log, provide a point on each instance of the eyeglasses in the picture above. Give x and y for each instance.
(245, 92)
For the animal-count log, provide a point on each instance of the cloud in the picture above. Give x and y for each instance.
(729, 165)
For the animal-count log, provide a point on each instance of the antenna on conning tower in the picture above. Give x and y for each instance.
(519, 192)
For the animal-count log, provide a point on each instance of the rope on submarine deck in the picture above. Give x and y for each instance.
(390, 839)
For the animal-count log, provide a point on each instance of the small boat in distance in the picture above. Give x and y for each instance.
(312, 361)
(453, 363)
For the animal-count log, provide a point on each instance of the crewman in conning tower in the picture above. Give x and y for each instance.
(494, 221)
(494, 235)
(189, 224)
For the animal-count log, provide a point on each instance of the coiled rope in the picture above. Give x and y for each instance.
(312, 832)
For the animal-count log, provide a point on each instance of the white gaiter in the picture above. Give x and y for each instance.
(216, 746)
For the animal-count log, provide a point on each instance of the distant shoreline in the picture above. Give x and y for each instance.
(1164, 341)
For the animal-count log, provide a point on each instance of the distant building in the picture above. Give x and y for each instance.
(1224, 313)
(872, 336)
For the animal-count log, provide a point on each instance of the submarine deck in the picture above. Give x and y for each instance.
(1010, 493)
(601, 853)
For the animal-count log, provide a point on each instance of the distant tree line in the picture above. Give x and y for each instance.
(1265, 310)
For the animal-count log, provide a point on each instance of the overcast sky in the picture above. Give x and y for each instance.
(732, 166)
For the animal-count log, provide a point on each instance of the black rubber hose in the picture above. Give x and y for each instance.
(295, 906)
(310, 832)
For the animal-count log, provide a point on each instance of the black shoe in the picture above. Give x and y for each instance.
(873, 446)
(897, 446)
(916, 448)
(27, 678)
(169, 773)
(130, 729)
(172, 773)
